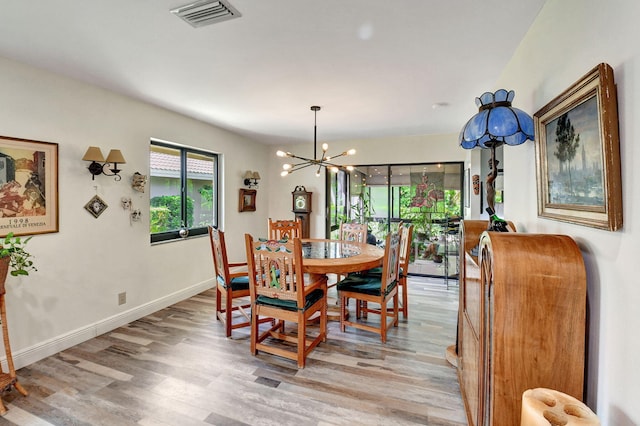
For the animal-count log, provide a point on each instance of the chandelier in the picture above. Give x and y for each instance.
(323, 161)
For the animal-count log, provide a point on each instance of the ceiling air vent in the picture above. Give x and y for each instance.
(206, 12)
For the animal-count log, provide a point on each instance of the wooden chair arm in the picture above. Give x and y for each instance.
(319, 281)
(238, 270)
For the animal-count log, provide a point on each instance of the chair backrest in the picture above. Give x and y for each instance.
(285, 229)
(275, 269)
(406, 234)
(219, 252)
(353, 232)
(390, 261)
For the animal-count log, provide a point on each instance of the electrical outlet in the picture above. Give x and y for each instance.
(122, 298)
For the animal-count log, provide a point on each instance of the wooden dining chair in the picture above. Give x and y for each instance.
(378, 289)
(406, 235)
(285, 229)
(232, 282)
(353, 232)
(278, 290)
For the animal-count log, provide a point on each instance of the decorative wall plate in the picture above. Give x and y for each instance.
(96, 206)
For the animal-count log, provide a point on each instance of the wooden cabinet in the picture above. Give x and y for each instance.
(521, 321)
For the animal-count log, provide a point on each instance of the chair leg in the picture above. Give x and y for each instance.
(302, 340)
(254, 330)
(228, 313)
(383, 320)
(343, 312)
(396, 312)
(323, 322)
(405, 302)
(218, 302)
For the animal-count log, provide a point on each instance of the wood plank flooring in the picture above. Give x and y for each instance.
(176, 367)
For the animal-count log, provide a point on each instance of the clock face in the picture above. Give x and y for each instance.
(301, 202)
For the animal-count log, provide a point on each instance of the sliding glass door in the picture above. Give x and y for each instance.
(429, 195)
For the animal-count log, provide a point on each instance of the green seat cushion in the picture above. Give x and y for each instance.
(363, 284)
(237, 283)
(377, 272)
(291, 305)
(374, 271)
(240, 283)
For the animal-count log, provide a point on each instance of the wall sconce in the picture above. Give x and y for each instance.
(98, 162)
(251, 178)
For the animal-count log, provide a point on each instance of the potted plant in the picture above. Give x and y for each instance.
(14, 257)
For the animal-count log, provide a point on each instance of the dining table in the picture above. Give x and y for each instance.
(326, 256)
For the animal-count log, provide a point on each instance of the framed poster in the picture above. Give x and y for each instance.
(28, 186)
(578, 154)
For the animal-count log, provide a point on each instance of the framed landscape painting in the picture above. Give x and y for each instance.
(578, 154)
(28, 186)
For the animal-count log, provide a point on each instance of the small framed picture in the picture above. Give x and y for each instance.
(247, 200)
(96, 206)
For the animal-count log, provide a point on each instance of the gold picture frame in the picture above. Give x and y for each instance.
(28, 186)
(578, 154)
(247, 200)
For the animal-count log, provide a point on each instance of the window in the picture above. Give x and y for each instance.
(427, 195)
(183, 191)
(336, 193)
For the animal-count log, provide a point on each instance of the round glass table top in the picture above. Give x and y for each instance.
(339, 257)
(328, 249)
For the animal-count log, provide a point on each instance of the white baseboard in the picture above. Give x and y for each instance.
(42, 350)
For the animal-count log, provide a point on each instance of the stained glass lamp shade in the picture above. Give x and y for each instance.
(496, 123)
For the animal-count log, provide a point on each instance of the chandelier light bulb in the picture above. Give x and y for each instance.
(325, 146)
(286, 166)
(351, 152)
(284, 173)
(282, 154)
(350, 168)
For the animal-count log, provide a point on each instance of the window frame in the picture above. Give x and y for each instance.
(184, 153)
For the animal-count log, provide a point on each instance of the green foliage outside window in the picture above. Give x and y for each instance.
(165, 213)
(206, 205)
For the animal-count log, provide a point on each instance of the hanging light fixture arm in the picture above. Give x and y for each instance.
(323, 161)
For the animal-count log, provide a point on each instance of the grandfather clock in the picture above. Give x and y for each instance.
(302, 208)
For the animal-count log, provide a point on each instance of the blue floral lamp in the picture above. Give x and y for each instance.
(495, 124)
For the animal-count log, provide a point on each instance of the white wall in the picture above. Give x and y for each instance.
(567, 40)
(411, 149)
(82, 268)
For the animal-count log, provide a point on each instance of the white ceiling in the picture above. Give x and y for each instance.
(377, 68)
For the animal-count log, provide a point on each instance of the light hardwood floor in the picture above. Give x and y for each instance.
(176, 367)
